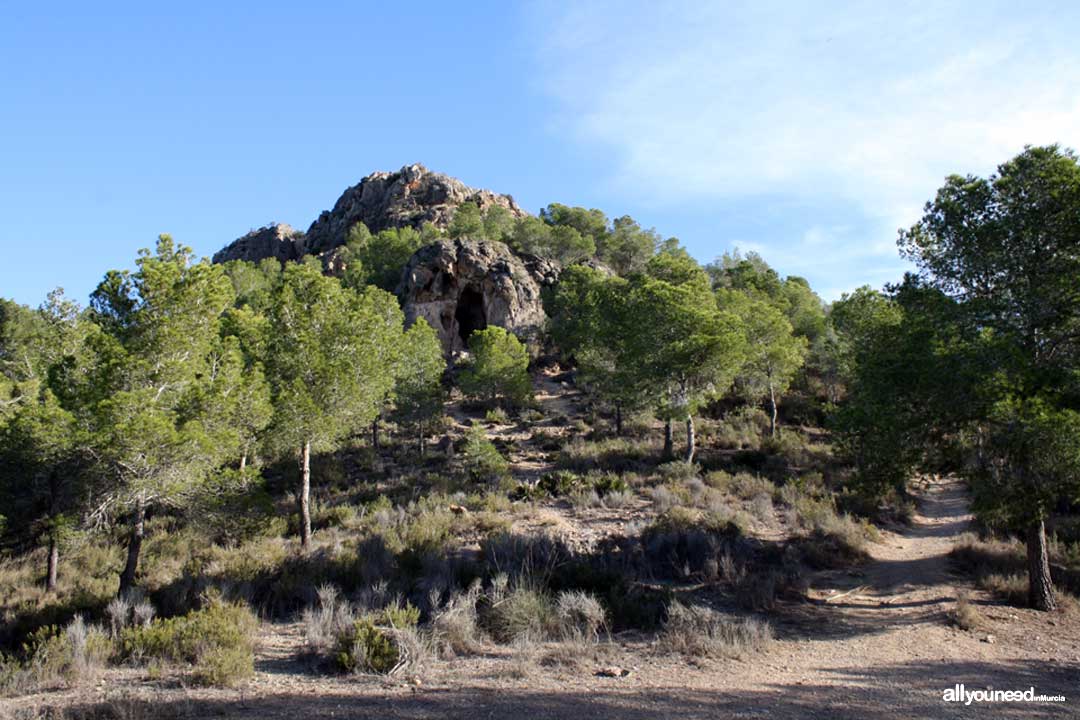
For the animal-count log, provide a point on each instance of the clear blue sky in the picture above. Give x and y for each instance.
(807, 132)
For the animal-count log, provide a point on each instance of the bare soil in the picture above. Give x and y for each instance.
(871, 643)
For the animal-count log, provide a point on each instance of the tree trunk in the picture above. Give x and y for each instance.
(305, 494)
(375, 433)
(772, 416)
(1040, 584)
(243, 462)
(422, 439)
(669, 439)
(54, 562)
(138, 530)
(691, 439)
(618, 419)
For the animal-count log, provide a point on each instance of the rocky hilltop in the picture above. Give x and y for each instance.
(411, 197)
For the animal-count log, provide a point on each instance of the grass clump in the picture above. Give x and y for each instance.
(579, 616)
(522, 614)
(699, 631)
(454, 626)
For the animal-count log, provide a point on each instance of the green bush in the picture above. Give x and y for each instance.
(399, 617)
(481, 459)
(217, 641)
(365, 648)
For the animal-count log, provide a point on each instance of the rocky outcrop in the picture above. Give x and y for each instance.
(463, 285)
(278, 241)
(411, 197)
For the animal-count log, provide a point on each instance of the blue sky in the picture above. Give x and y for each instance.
(808, 132)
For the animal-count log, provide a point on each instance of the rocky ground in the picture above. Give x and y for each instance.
(873, 643)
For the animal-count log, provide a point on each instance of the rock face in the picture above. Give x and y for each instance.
(411, 196)
(278, 241)
(463, 285)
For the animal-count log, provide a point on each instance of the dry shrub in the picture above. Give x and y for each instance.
(579, 616)
(1000, 566)
(71, 656)
(965, 616)
(700, 631)
(454, 627)
(325, 622)
(525, 613)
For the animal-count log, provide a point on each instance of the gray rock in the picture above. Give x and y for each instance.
(462, 285)
(276, 240)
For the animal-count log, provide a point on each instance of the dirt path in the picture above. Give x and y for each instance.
(879, 643)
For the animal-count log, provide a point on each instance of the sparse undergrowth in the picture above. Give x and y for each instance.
(1000, 567)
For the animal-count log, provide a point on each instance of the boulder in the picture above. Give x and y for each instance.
(463, 285)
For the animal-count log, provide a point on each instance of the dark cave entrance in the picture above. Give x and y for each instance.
(469, 313)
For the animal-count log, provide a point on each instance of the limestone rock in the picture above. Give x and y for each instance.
(463, 285)
(411, 197)
(276, 240)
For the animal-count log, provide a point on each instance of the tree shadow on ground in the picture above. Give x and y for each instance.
(906, 690)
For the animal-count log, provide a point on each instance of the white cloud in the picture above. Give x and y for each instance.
(866, 105)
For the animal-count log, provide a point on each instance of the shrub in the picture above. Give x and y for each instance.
(579, 616)
(72, 655)
(677, 471)
(497, 416)
(685, 541)
(742, 429)
(217, 641)
(607, 483)
(828, 539)
(364, 648)
(560, 483)
(618, 498)
(523, 614)
(965, 616)
(1000, 566)
(324, 623)
(614, 454)
(454, 627)
(481, 459)
(398, 617)
(701, 631)
(585, 498)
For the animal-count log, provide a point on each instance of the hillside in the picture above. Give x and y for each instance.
(875, 636)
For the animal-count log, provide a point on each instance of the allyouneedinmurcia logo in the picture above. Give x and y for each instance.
(959, 693)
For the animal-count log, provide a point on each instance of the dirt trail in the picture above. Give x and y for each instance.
(878, 643)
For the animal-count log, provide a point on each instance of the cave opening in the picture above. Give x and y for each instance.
(469, 313)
